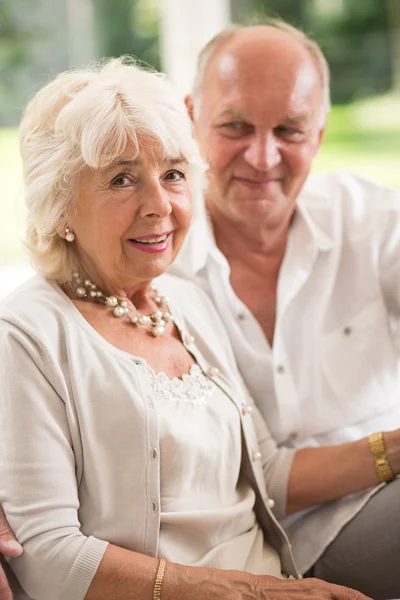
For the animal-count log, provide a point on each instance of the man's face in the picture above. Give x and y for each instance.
(258, 124)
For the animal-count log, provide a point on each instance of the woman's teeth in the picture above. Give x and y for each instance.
(155, 240)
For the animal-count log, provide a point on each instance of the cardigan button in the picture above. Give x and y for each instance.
(256, 455)
(155, 507)
(270, 503)
(155, 453)
(246, 409)
(212, 371)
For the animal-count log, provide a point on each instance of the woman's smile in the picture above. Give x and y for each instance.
(151, 243)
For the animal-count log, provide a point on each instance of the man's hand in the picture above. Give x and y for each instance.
(9, 547)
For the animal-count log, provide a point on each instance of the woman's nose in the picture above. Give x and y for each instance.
(156, 202)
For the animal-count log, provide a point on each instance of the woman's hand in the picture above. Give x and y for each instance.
(127, 575)
(213, 584)
(8, 547)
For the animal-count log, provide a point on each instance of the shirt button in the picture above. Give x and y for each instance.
(347, 330)
(293, 436)
(270, 503)
(280, 369)
(256, 455)
(212, 371)
(155, 507)
(241, 316)
(155, 453)
(246, 409)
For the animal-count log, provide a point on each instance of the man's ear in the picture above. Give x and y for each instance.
(189, 106)
(321, 134)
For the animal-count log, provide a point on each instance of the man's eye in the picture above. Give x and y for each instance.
(235, 129)
(175, 175)
(234, 125)
(290, 132)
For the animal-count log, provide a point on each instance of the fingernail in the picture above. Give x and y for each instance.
(13, 545)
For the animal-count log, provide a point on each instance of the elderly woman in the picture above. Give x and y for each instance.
(133, 465)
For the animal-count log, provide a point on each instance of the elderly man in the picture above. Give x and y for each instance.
(305, 273)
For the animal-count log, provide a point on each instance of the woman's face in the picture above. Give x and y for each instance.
(131, 218)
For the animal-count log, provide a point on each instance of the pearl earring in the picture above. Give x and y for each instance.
(69, 235)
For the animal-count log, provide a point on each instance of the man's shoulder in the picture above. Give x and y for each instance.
(342, 190)
(342, 201)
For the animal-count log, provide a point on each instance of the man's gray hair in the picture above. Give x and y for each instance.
(227, 34)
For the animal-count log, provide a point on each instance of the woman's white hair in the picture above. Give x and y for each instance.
(87, 118)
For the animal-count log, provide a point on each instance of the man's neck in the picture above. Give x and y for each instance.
(255, 247)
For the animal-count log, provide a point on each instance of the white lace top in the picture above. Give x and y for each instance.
(207, 515)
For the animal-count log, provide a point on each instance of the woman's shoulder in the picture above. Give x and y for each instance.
(34, 306)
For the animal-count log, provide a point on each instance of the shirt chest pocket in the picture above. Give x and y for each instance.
(359, 365)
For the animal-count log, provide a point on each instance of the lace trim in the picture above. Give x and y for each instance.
(194, 388)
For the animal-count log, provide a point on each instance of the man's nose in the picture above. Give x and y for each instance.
(156, 202)
(263, 153)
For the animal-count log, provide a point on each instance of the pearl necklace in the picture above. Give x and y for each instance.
(156, 321)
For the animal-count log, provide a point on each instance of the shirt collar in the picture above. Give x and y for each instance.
(314, 208)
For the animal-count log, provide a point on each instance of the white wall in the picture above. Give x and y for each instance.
(186, 26)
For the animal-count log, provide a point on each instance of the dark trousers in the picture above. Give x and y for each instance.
(366, 553)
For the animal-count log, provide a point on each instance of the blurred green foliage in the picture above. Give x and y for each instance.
(129, 27)
(353, 34)
(15, 39)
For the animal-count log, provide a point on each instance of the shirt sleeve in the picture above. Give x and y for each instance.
(38, 486)
(389, 252)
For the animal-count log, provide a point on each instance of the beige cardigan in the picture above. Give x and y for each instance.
(79, 440)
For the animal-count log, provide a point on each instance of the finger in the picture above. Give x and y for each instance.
(8, 544)
(5, 592)
(339, 592)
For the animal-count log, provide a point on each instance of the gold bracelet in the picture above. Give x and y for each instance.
(159, 579)
(378, 450)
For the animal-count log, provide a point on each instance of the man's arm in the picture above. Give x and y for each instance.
(8, 547)
(319, 475)
(300, 479)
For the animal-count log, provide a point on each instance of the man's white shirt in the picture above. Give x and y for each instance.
(333, 373)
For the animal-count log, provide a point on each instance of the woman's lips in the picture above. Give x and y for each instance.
(151, 244)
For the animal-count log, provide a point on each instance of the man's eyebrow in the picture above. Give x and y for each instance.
(297, 119)
(232, 112)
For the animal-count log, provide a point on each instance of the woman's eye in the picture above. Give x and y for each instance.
(121, 181)
(175, 175)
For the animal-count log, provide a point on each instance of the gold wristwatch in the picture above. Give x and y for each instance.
(378, 450)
